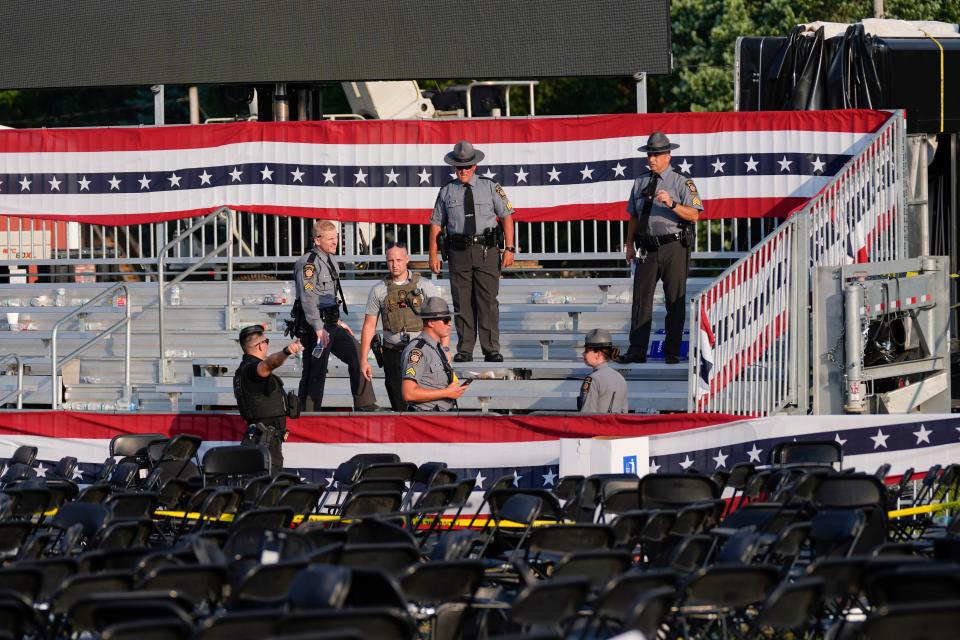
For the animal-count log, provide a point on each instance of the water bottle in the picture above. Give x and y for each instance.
(317, 350)
(175, 292)
(536, 297)
(91, 380)
(134, 400)
(287, 296)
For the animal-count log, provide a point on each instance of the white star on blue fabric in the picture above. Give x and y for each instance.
(840, 441)
(554, 174)
(235, 174)
(879, 440)
(549, 477)
(424, 176)
(205, 177)
(480, 480)
(784, 164)
(266, 173)
(751, 165)
(114, 183)
(328, 176)
(717, 166)
(297, 175)
(359, 177)
(754, 453)
(25, 184)
(516, 478)
(686, 463)
(619, 170)
(144, 182)
(77, 473)
(41, 470)
(489, 175)
(653, 466)
(392, 176)
(721, 459)
(586, 173)
(521, 175)
(818, 165)
(84, 184)
(923, 435)
(685, 166)
(54, 184)
(174, 180)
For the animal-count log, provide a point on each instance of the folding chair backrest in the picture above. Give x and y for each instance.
(402, 470)
(850, 491)
(221, 465)
(519, 507)
(807, 452)
(134, 445)
(673, 490)
(319, 587)
(365, 459)
(23, 455)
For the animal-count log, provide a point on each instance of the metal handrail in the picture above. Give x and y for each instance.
(18, 392)
(161, 258)
(81, 310)
(502, 83)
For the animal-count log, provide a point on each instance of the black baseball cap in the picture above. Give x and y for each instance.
(249, 331)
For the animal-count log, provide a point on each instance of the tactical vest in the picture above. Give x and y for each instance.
(255, 406)
(401, 305)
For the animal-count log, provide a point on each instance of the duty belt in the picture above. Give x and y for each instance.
(653, 242)
(487, 239)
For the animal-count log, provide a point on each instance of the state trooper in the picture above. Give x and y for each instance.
(396, 300)
(263, 404)
(429, 383)
(472, 209)
(604, 390)
(664, 208)
(318, 289)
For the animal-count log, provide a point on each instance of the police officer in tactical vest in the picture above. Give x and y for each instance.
(263, 404)
(396, 300)
(317, 311)
(471, 210)
(429, 383)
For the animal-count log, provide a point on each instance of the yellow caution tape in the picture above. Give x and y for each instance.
(929, 508)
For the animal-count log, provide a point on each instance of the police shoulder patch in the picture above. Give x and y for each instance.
(586, 384)
(415, 356)
(691, 186)
(503, 196)
(410, 371)
(309, 270)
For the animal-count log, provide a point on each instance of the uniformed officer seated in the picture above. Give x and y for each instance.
(429, 383)
(396, 300)
(259, 392)
(604, 390)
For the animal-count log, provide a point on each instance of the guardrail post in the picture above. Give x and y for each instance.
(228, 314)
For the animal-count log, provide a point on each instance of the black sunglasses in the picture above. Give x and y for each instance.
(264, 341)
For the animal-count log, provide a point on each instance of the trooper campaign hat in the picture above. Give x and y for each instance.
(433, 308)
(249, 331)
(598, 339)
(463, 155)
(658, 143)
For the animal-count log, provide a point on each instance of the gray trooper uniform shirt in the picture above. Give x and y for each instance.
(603, 391)
(375, 306)
(423, 362)
(663, 220)
(490, 203)
(316, 285)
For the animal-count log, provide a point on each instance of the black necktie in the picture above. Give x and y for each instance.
(336, 278)
(469, 216)
(649, 193)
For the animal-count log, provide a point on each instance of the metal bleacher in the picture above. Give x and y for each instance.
(541, 344)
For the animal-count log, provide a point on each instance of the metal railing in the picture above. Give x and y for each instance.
(56, 363)
(232, 235)
(758, 308)
(18, 392)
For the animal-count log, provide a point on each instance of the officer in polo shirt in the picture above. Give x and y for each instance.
(396, 300)
(470, 208)
(664, 208)
(429, 383)
(604, 390)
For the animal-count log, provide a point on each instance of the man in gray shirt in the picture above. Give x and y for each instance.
(396, 300)
(320, 296)
(604, 390)
(469, 208)
(664, 208)
(429, 383)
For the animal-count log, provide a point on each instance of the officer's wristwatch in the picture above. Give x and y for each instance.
(510, 249)
(287, 352)
(673, 206)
